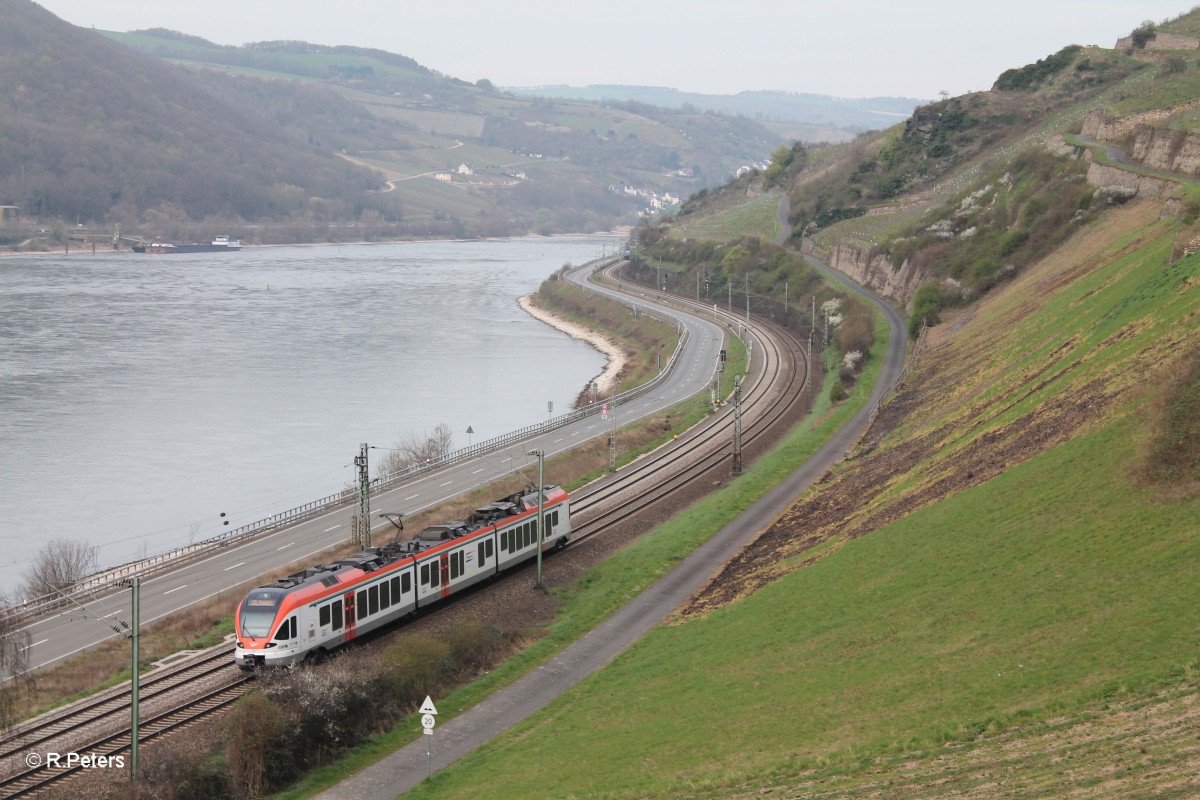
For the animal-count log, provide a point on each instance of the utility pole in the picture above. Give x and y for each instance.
(135, 585)
(747, 298)
(785, 283)
(541, 518)
(363, 539)
(737, 425)
(730, 285)
(612, 442)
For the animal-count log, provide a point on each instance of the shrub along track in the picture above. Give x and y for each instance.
(605, 517)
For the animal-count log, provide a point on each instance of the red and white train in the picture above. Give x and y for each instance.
(320, 608)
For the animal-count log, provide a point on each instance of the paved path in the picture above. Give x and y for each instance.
(453, 739)
(1118, 158)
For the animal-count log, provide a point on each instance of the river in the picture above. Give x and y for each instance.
(143, 396)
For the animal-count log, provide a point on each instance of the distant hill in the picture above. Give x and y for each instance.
(847, 115)
(94, 132)
(464, 158)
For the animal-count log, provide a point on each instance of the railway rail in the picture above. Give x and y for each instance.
(773, 390)
(99, 726)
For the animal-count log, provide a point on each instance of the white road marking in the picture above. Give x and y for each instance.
(35, 644)
(176, 589)
(235, 566)
(476, 472)
(447, 483)
(334, 528)
(411, 497)
(289, 544)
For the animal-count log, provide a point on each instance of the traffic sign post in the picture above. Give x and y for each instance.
(428, 712)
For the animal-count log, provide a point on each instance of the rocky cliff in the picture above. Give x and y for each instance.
(1148, 141)
(874, 271)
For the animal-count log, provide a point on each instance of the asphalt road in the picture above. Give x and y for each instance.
(78, 628)
(455, 738)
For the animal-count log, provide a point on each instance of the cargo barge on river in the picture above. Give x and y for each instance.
(220, 244)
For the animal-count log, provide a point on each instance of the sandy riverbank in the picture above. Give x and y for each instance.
(605, 344)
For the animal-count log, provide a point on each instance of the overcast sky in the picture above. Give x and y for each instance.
(853, 48)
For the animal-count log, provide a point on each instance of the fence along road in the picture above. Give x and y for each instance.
(84, 623)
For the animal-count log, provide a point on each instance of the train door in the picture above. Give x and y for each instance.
(351, 617)
(444, 559)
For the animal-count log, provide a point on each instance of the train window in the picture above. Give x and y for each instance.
(481, 556)
(504, 541)
(424, 574)
(295, 628)
(324, 616)
(458, 564)
(373, 599)
(435, 574)
(491, 548)
(396, 589)
(337, 615)
(407, 586)
(385, 595)
(360, 601)
(285, 631)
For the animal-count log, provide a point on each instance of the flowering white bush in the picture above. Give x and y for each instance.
(851, 359)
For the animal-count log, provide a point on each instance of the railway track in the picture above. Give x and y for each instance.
(99, 726)
(774, 390)
(705, 450)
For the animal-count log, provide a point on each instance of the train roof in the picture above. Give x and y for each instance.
(349, 568)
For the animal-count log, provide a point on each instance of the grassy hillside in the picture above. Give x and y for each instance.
(989, 563)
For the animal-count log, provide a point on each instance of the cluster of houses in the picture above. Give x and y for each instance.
(655, 202)
(466, 170)
(745, 169)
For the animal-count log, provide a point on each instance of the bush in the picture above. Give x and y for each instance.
(927, 307)
(474, 647)
(253, 751)
(413, 668)
(838, 393)
(1191, 210)
(857, 331)
(331, 708)
(1011, 242)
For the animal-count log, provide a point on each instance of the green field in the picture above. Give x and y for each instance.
(755, 217)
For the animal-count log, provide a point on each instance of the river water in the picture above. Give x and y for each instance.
(141, 396)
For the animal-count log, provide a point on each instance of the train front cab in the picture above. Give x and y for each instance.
(268, 634)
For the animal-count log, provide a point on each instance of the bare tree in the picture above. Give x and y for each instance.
(415, 449)
(60, 564)
(14, 661)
